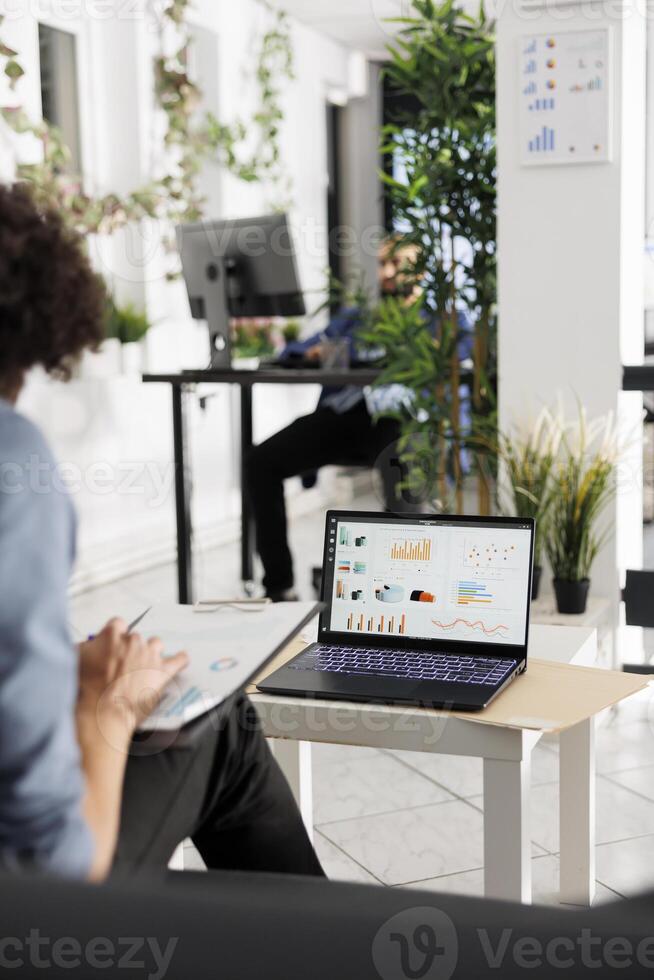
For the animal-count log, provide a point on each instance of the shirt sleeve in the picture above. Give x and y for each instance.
(41, 782)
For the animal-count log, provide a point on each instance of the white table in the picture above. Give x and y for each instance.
(296, 722)
(600, 614)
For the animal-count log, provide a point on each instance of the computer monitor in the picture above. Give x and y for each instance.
(238, 268)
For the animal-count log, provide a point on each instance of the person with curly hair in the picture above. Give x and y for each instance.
(76, 799)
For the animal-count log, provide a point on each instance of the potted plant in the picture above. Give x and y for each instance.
(129, 326)
(252, 339)
(583, 482)
(291, 331)
(529, 458)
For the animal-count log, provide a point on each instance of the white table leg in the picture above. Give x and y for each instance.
(507, 843)
(577, 813)
(294, 760)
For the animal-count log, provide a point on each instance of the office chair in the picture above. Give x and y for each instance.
(638, 598)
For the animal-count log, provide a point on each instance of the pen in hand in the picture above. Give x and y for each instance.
(131, 626)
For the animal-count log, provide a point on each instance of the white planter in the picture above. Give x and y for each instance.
(245, 363)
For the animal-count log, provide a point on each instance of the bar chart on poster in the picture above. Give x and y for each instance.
(565, 97)
(461, 582)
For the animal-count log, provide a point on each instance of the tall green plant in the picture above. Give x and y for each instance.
(583, 483)
(529, 458)
(442, 190)
(417, 359)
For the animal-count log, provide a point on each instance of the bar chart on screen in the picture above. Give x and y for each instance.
(410, 549)
(361, 623)
(471, 594)
(344, 590)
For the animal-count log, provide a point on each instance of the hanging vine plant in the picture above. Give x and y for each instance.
(189, 141)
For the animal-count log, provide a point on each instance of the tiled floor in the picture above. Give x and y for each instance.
(406, 818)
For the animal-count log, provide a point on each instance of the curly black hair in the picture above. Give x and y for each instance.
(52, 303)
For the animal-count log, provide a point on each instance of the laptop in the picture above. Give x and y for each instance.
(420, 609)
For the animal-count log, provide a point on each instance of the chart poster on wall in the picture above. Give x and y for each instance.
(565, 97)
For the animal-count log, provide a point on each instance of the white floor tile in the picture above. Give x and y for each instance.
(463, 775)
(627, 866)
(624, 746)
(155, 585)
(545, 883)
(620, 814)
(413, 844)
(337, 865)
(324, 753)
(369, 785)
(639, 707)
(192, 859)
(90, 611)
(638, 780)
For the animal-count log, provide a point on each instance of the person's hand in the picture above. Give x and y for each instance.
(313, 353)
(123, 675)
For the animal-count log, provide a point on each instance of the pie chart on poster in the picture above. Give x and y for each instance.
(225, 663)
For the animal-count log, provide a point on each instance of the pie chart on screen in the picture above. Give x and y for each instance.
(225, 663)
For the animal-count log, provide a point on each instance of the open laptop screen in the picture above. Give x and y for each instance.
(436, 579)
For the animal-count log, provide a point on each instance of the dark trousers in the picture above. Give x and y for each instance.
(225, 791)
(321, 439)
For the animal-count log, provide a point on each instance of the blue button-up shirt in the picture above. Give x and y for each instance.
(41, 781)
(344, 326)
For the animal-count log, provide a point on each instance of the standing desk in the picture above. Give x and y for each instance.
(182, 384)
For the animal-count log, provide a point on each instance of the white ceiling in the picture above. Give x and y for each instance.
(359, 24)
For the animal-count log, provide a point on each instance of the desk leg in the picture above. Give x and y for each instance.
(507, 843)
(247, 523)
(182, 497)
(577, 813)
(294, 760)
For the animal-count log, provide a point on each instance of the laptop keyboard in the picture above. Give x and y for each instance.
(412, 664)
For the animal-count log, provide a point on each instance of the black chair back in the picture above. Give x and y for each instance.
(638, 598)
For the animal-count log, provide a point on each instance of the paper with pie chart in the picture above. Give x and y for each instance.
(226, 647)
(448, 581)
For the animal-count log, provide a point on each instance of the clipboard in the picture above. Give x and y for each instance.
(227, 650)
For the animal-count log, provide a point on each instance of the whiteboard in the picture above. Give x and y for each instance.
(565, 97)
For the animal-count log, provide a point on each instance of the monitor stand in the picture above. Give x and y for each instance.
(219, 273)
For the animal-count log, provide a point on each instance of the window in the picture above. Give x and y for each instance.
(59, 87)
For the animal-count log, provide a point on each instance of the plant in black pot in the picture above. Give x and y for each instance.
(583, 482)
(529, 457)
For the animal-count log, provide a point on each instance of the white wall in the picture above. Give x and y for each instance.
(362, 197)
(570, 260)
(111, 430)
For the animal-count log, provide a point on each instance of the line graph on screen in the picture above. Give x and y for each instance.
(477, 625)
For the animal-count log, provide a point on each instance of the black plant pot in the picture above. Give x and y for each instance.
(535, 582)
(571, 597)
